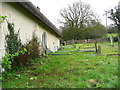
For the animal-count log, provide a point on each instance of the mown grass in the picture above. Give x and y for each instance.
(77, 70)
(113, 35)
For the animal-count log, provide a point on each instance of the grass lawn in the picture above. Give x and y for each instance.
(77, 70)
(113, 35)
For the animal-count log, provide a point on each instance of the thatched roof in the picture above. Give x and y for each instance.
(37, 14)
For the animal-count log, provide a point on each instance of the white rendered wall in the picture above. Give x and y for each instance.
(27, 24)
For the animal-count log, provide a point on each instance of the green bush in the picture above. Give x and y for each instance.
(6, 60)
(2, 18)
(14, 45)
(33, 52)
(33, 47)
(13, 42)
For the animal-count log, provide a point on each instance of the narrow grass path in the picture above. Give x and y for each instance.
(77, 70)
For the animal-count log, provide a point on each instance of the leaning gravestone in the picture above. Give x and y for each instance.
(111, 41)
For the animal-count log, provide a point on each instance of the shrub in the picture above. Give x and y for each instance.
(13, 42)
(2, 18)
(14, 45)
(33, 47)
(33, 51)
(6, 60)
(7, 63)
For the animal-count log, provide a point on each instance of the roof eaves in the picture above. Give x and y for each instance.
(33, 10)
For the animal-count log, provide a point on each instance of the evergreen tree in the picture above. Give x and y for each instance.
(13, 42)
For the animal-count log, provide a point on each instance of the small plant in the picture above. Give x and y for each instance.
(2, 18)
(6, 60)
(33, 52)
(6, 63)
(33, 47)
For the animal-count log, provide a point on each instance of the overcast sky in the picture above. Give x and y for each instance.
(51, 8)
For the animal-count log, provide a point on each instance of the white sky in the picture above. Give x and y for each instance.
(51, 8)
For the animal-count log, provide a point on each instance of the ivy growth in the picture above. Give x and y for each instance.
(13, 42)
(2, 18)
(6, 60)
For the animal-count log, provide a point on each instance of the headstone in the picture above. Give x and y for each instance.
(99, 50)
(111, 41)
(96, 47)
(85, 42)
(64, 43)
(118, 39)
(73, 41)
(48, 51)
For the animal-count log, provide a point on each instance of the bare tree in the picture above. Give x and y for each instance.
(76, 15)
(79, 22)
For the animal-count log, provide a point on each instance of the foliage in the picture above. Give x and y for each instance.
(33, 47)
(2, 18)
(13, 42)
(6, 60)
(77, 70)
(76, 15)
(95, 30)
(13, 45)
(33, 52)
(115, 16)
(112, 29)
(113, 35)
(79, 22)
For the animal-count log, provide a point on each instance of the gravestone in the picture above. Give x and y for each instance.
(64, 43)
(96, 47)
(118, 39)
(73, 43)
(99, 50)
(111, 41)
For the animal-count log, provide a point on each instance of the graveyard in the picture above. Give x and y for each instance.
(73, 66)
(81, 52)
